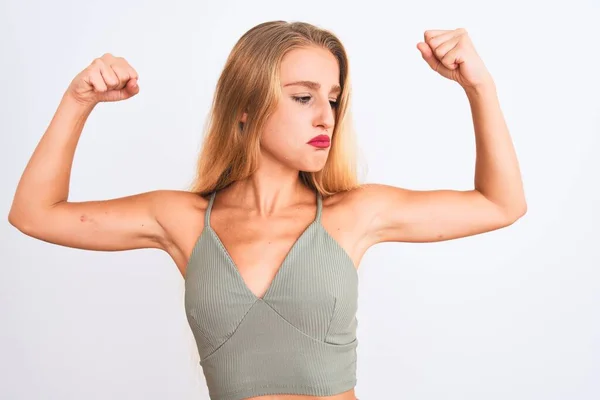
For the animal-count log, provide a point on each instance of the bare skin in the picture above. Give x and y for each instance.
(273, 197)
(251, 245)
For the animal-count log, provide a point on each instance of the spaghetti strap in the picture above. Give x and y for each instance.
(209, 208)
(319, 207)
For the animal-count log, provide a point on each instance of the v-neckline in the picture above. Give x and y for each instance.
(280, 268)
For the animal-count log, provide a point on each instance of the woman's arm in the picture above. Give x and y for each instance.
(497, 173)
(40, 206)
(497, 199)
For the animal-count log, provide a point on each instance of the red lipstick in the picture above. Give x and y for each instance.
(321, 141)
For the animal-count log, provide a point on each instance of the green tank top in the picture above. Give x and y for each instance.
(299, 338)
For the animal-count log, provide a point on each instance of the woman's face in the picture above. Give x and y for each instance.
(310, 91)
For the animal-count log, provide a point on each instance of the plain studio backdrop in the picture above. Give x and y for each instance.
(510, 314)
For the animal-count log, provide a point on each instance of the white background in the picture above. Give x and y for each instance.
(511, 314)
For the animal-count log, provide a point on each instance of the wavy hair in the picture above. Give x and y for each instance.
(250, 82)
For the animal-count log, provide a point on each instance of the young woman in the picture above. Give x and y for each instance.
(271, 234)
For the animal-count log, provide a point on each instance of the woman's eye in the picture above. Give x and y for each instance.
(306, 99)
(303, 99)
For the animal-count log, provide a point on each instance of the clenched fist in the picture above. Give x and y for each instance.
(107, 78)
(452, 55)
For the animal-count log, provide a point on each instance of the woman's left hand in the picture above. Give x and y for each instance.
(452, 55)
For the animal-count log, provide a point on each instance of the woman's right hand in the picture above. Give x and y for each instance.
(107, 78)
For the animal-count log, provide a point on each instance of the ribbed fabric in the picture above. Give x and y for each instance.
(299, 338)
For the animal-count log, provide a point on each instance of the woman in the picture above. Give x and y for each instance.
(271, 234)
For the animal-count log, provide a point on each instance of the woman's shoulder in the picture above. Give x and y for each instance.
(181, 214)
(170, 202)
(347, 207)
(172, 208)
(346, 201)
(179, 208)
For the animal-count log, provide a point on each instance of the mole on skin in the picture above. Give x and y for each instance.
(84, 218)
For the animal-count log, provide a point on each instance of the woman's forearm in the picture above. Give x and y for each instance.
(45, 180)
(497, 173)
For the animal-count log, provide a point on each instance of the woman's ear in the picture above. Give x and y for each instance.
(242, 121)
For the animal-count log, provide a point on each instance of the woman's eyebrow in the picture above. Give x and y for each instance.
(335, 89)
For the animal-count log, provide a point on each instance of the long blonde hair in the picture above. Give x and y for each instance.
(250, 82)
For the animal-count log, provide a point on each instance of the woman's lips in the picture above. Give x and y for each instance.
(321, 141)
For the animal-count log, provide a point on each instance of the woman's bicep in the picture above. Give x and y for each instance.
(402, 215)
(123, 223)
